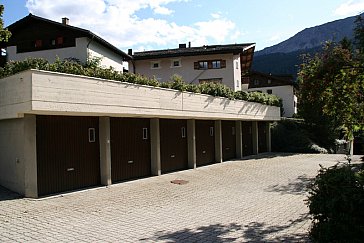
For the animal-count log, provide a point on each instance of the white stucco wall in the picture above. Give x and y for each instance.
(79, 52)
(12, 155)
(287, 95)
(109, 58)
(187, 71)
(237, 73)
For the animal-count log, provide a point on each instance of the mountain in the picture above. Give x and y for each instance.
(284, 58)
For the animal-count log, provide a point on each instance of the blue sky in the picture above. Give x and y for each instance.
(160, 24)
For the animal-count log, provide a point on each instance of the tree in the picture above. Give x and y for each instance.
(4, 33)
(359, 33)
(332, 86)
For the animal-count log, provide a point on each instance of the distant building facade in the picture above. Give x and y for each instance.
(217, 63)
(279, 85)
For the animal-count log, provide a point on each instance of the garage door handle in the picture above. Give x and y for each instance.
(70, 169)
(130, 161)
(172, 156)
(204, 152)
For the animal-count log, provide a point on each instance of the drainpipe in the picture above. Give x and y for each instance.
(87, 46)
(130, 53)
(134, 68)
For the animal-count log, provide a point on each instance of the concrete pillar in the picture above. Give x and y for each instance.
(155, 147)
(218, 142)
(255, 137)
(105, 151)
(30, 156)
(269, 137)
(239, 139)
(191, 141)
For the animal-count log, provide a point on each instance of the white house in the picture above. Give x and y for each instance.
(214, 63)
(38, 37)
(279, 85)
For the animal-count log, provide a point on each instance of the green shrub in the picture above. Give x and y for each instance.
(336, 204)
(293, 136)
(92, 69)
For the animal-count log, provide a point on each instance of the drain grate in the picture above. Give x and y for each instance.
(179, 182)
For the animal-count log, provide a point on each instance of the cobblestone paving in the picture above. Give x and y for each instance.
(260, 199)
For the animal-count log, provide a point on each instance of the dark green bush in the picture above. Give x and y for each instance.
(92, 69)
(293, 136)
(336, 204)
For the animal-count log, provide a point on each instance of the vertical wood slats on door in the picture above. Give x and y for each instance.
(173, 145)
(205, 142)
(247, 138)
(228, 140)
(66, 159)
(262, 137)
(130, 148)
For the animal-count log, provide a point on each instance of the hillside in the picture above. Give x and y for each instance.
(284, 58)
(281, 63)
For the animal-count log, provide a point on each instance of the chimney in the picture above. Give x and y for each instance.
(182, 46)
(65, 21)
(189, 44)
(130, 52)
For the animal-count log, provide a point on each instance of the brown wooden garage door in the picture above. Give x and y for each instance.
(262, 137)
(247, 138)
(130, 148)
(68, 155)
(228, 140)
(173, 144)
(205, 142)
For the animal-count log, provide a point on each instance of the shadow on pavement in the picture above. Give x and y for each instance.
(297, 187)
(268, 155)
(5, 194)
(260, 232)
(253, 232)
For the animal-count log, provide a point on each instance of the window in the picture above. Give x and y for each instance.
(202, 65)
(210, 64)
(145, 133)
(3, 52)
(183, 132)
(256, 82)
(53, 42)
(269, 81)
(216, 64)
(176, 63)
(155, 65)
(60, 40)
(38, 44)
(91, 135)
(269, 91)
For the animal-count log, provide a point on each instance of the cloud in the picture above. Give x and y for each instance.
(349, 8)
(118, 22)
(163, 11)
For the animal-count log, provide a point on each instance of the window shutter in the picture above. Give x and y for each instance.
(209, 64)
(223, 63)
(196, 65)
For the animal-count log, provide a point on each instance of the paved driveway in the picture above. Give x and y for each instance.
(255, 200)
